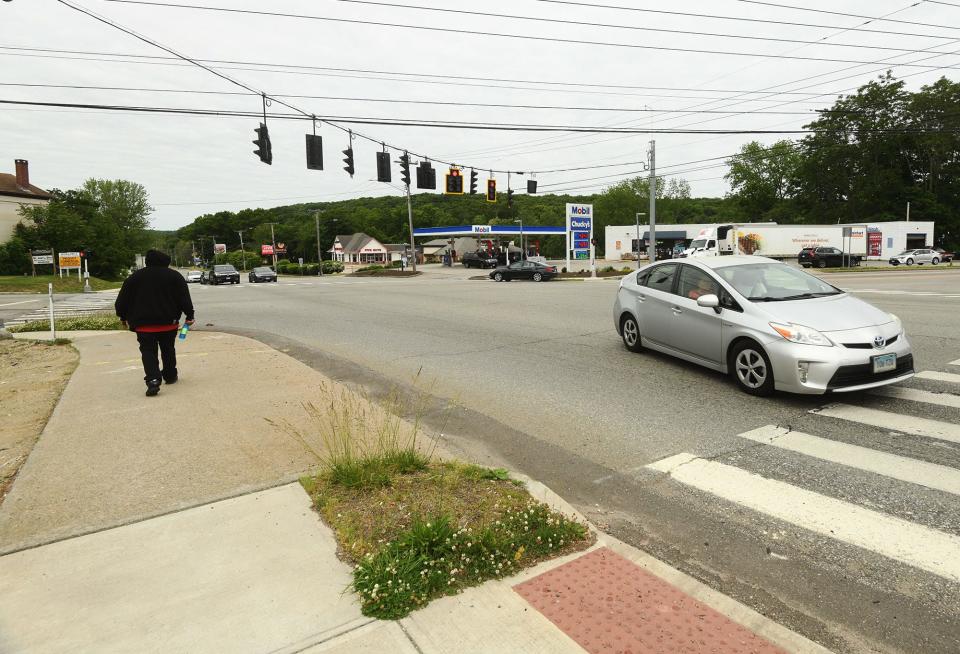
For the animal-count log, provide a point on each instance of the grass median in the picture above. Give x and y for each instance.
(886, 269)
(414, 527)
(38, 284)
(92, 322)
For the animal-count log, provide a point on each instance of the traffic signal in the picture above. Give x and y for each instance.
(473, 182)
(491, 190)
(348, 159)
(383, 167)
(509, 198)
(531, 186)
(264, 151)
(454, 184)
(405, 168)
(314, 152)
(426, 175)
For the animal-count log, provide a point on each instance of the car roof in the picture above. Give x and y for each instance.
(725, 261)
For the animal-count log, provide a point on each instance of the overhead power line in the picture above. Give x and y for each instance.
(739, 19)
(847, 15)
(527, 37)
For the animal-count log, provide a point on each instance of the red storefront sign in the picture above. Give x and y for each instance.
(266, 250)
(874, 243)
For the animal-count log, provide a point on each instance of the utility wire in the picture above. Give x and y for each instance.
(848, 15)
(744, 19)
(528, 37)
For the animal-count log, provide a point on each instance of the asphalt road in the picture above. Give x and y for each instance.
(857, 548)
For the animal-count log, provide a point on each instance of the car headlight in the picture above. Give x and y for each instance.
(800, 334)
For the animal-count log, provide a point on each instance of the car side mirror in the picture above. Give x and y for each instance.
(709, 301)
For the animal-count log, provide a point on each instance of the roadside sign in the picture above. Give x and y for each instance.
(300, 260)
(280, 249)
(69, 259)
(219, 248)
(42, 259)
(266, 250)
(847, 232)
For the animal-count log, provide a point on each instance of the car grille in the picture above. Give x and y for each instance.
(869, 346)
(863, 374)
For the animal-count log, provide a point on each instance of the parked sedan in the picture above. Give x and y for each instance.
(536, 271)
(262, 274)
(766, 324)
(920, 257)
(822, 257)
(194, 276)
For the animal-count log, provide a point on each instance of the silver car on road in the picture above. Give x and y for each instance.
(921, 256)
(769, 325)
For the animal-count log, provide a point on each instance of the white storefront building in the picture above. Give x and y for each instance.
(878, 240)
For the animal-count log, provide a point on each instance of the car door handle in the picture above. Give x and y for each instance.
(641, 297)
(677, 311)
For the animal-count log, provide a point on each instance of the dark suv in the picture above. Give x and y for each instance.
(823, 257)
(223, 274)
(478, 259)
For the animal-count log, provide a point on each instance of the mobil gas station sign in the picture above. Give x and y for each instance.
(580, 228)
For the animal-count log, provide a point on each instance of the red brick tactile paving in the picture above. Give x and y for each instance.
(609, 604)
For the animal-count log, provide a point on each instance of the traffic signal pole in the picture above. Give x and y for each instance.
(652, 248)
(413, 243)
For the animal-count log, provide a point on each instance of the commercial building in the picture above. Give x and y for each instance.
(362, 248)
(15, 191)
(876, 240)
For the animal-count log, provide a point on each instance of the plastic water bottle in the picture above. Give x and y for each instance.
(183, 331)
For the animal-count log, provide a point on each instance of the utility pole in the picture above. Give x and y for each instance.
(242, 251)
(638, 238)
(273, 242)
(652, 248)
(908, 211)
(316, 215)
(413, 243)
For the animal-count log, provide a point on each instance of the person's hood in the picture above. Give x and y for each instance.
(156, 258)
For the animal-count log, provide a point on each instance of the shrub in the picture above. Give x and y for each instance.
(372, 268)
(330, 267)
(96, 321)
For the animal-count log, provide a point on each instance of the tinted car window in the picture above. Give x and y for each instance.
(695, 282)
(661, 278)
(223, 268)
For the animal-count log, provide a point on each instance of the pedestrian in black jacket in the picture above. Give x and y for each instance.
(150, 303)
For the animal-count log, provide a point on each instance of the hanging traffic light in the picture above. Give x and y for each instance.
(426, 176)
(264, 151)
(473, 182)
(383, 167)
(405, 168)
(509, 198)
(314, 152)
(491, 190)
(531, 186)
(348, 159)
(454, 184)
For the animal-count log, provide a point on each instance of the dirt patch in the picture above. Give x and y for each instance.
(32, 377)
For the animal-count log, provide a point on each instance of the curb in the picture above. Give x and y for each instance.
(737, 612)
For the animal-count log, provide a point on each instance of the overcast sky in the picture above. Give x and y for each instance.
(193, 165)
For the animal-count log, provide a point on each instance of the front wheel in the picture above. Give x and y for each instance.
(537, 277)
(751, 369)
(935, 261)
(909, 262)
(822, 263)
(498, 277)
(630, 333)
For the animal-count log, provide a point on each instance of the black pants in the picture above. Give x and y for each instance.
(149, 342)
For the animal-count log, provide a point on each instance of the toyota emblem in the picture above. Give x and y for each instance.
(879, 342)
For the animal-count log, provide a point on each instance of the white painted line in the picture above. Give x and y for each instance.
(939, 376)
(912, 471)
(955, 363)
(892, 421)
(915, 395)
(916, 545)
(10, 304)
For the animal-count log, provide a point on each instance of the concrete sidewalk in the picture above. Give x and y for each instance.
(119, 538)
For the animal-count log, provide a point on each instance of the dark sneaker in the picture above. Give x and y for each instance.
(170, 380)
(153, 387)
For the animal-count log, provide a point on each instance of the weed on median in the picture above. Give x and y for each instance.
(416, 528)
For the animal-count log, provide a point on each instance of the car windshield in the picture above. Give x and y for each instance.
(699, 243)
(224, 269)
(262, 270)
(774, 282)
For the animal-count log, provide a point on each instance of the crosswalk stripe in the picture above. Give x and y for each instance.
(892, 421)
(955, 363)
(938, 376)
(922, 473)
(916, 395)
(913, 544)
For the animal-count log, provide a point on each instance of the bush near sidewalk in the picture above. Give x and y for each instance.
(95, 321)
(416, 528)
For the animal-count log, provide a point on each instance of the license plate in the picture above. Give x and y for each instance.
(884, 362)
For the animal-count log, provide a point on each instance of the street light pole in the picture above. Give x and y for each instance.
(523, 251)
(653, 201)
(273, 243)
(413, 243)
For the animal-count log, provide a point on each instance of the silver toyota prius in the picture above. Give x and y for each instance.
(768, 325)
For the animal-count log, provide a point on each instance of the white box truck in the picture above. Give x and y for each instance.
(777, 241)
